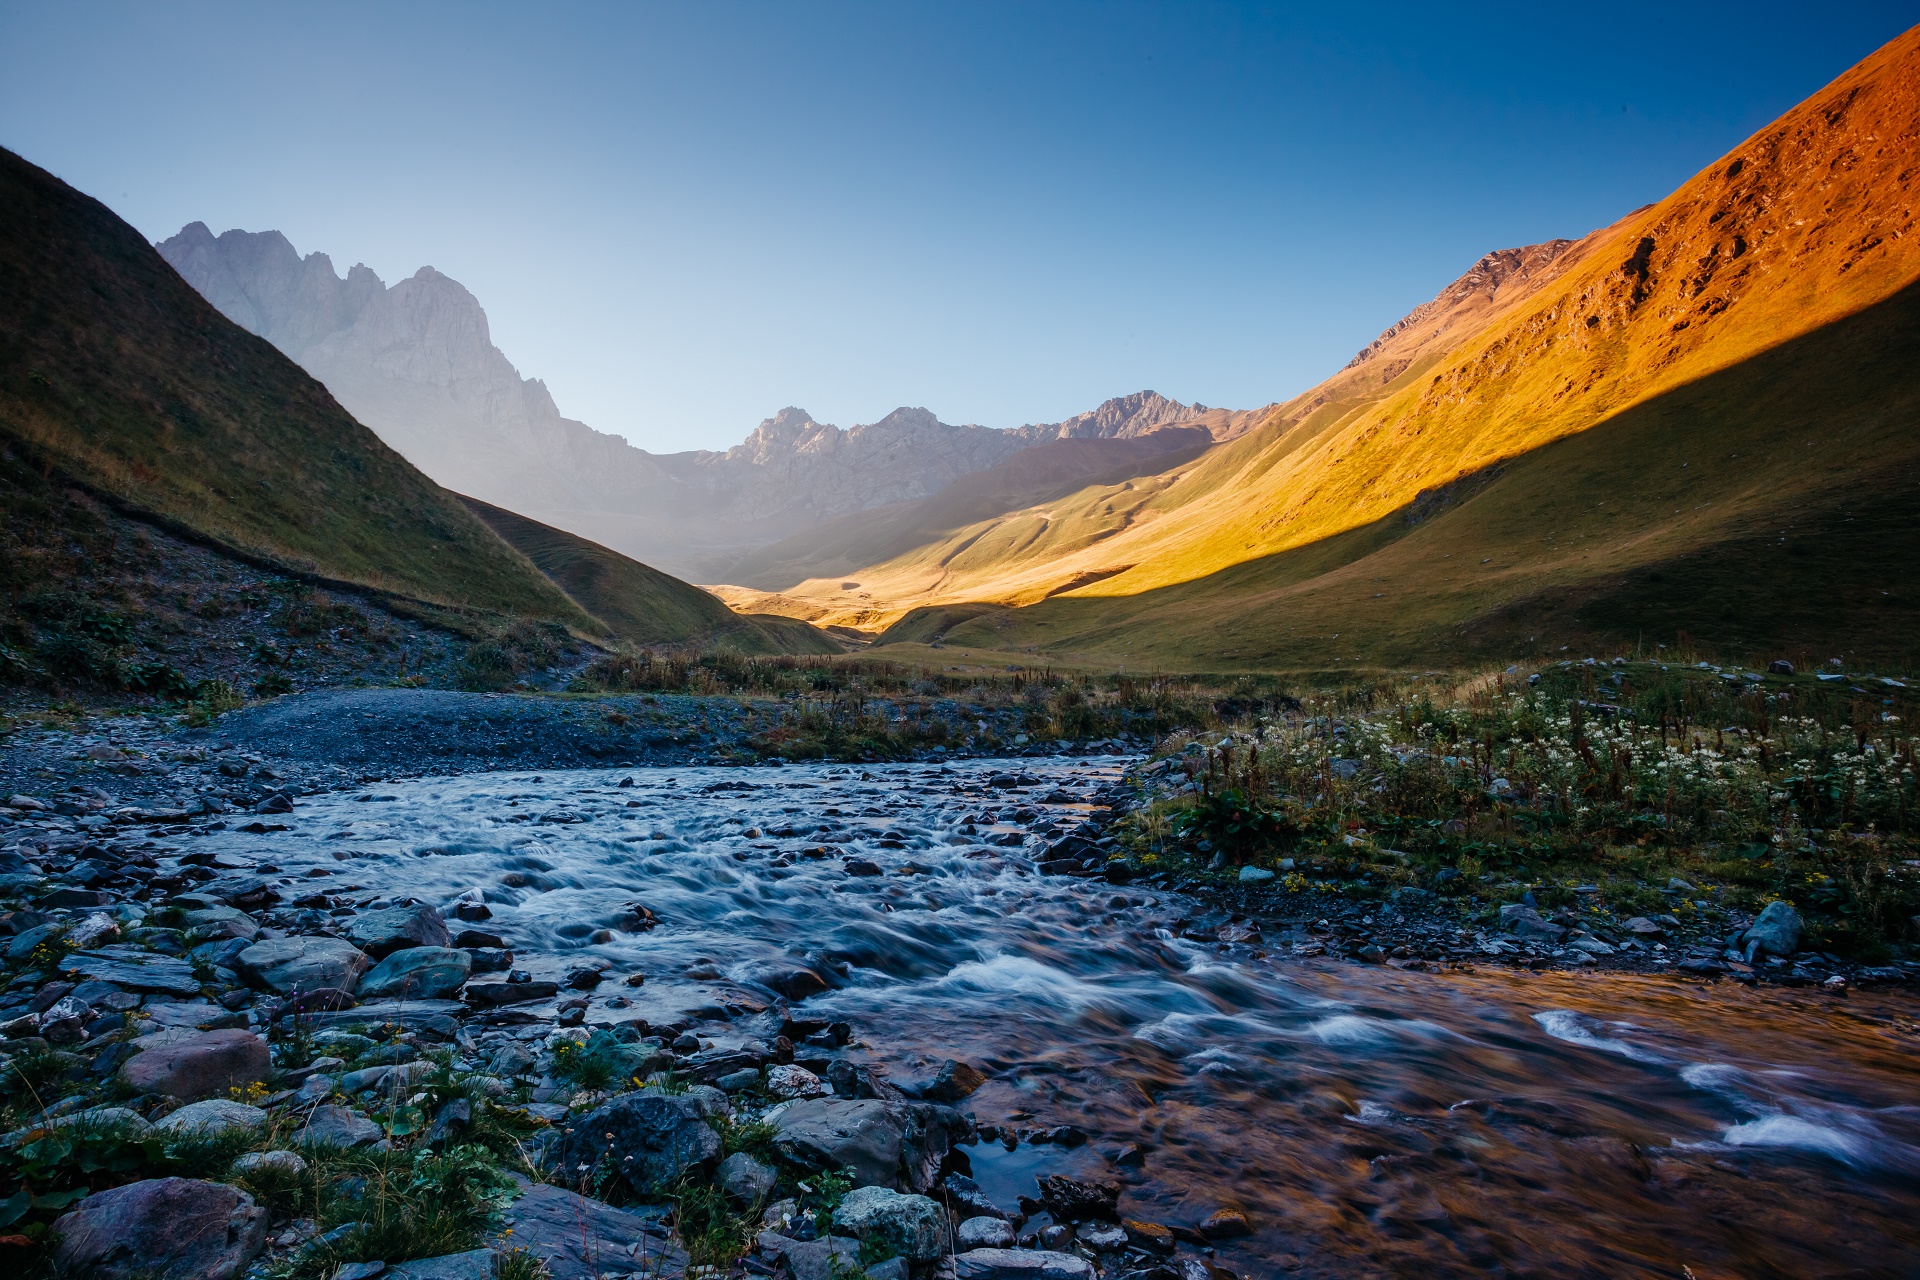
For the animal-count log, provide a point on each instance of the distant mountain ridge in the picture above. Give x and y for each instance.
(415, 361)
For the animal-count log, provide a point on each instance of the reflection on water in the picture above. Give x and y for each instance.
(1368, 1121)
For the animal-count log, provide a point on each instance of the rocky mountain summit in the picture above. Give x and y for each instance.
(415, 361)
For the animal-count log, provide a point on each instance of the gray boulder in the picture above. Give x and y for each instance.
(653, 1139)
(134, 970)
(199, 1065)
(276, 1164)
(1020, 1264)
(986, 1233)
(475, 1264)
(746, 1182)
(823, 1259)
(338, 1127)
(883, 1143)
(212, 1116)
(1777, 931)
(582, 1239)
(381, 933)
(907, 1226)
(421, 973)
(172, 1228)
(1524, 921)
(287, 965)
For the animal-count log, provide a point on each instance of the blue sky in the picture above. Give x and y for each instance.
(685, 217)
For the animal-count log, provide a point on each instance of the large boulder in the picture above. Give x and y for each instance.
(381, 933)
(132, 969)
(212, 1115)
(419, 973)
(1777, 931)
(475, 1264)
(1524, 921)
(161, 1229)
(582, 1239)
(199, 1065)
(896, 1145)
(1020, 1264)
(905, 1226)
(287, 965)
(331, 1126)
(746, 1182)
(652, 1139)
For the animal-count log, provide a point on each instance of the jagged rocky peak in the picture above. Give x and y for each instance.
(1126, 416)
(1527, 265)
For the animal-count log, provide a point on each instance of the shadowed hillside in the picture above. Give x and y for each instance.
(641, 604)
(119, 374)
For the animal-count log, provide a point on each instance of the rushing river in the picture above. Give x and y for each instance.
(1368, 1121)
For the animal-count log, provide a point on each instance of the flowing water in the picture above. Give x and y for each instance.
(1368, 1121)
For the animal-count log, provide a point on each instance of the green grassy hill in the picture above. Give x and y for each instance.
(115, 372)
(641, 604)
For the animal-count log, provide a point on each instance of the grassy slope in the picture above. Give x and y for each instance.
(1771, 507)
(1808, 223)
(639, 603)
(113, 370)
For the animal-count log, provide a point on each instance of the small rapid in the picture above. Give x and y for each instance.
(1367, 1120)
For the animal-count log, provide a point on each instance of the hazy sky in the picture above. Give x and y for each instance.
(684, 217)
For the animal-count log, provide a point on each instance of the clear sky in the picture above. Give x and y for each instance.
(684, 217)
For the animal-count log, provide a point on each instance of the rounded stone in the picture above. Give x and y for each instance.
(212, 1115)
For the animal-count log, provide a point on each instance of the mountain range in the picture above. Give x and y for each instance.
(1701, 422)
(416, 363)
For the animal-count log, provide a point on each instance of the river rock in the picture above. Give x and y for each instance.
(746, 1182)
(198, 1066)
(826, 1259)
(1524, 921)
(165, 1227)
(337, 1127)
(1225, 1224)
(984, 1233)
(427, 973)
(222, 921)
(880, 1143)
(474, 1264)
(1071, 1200)
(287, 965)
(381, 933)
(582, 1239)
(1776, 932)
(134, 970)
(1020, 1264)
(652, 1139)
(909, 1226)
(278, 1164)
(968, 1199)
(789, 1081)
(212, 1115)
(954, 1081)
(118, 1120)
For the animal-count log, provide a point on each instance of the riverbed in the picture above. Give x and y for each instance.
(1367, 1120)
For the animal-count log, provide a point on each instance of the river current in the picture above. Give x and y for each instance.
(1368, 1121)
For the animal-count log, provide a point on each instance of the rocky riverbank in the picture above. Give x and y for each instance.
(377, 1015)
(229, 1065)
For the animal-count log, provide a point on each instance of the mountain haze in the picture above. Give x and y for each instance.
(416, 362)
